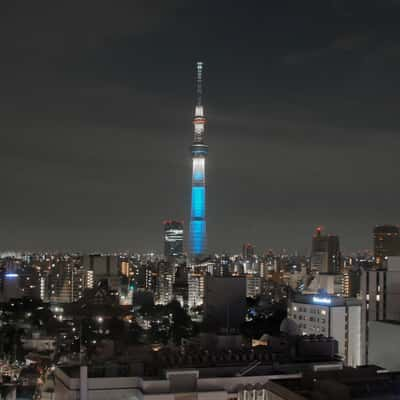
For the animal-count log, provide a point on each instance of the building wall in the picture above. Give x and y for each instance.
(383, 349)
(337, 327)
(354, 336)
(343, 323)
(380, 294)
(220, 388)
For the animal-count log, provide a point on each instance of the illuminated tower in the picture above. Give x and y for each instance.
(198, 231)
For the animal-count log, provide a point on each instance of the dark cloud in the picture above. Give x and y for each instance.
(95, 121)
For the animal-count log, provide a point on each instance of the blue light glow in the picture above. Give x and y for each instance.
(198, 201)
(198, 175)
(198, 237)
(198, 223)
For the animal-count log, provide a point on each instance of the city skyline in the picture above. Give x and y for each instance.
(96, 123)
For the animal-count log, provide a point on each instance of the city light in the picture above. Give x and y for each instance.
(321, 300)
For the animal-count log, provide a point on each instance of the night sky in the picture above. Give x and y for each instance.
(302, 99)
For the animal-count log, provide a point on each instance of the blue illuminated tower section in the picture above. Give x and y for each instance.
(198, 229)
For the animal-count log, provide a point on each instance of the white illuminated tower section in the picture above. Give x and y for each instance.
(198, 229)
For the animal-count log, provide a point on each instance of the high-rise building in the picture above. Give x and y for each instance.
(325, 255)
(164, 284)
(64, 283)
(386, 242)
(248, 251)
(173, 239)
(198, 230)
(195, 290)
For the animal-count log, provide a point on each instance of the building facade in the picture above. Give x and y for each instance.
(380, 294)
(173, 239)
(325, 255)
(333, 316)
(386, 242)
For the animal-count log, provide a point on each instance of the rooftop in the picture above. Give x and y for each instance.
(363, 383)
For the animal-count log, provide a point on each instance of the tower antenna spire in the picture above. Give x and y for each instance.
(199, 83)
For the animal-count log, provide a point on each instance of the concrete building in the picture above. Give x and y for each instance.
(367, 383)
(219, 375)
(333, 316)
(72, 384)
(380, 294)
(382, 344)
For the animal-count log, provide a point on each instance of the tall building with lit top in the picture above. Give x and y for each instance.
(173, 239)
(198, 230)
(386, 242)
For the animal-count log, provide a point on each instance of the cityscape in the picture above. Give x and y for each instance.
(291, 316)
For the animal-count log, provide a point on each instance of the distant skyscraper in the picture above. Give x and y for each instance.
(173, 239)
(325, 256)
(248, 251)
(198, 230)
(386, 242)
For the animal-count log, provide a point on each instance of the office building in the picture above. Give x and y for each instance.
(386, 242)
(173, 239)
(325, 255)
(334, 316)
(198, 229)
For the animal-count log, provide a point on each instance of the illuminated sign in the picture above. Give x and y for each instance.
(11, 275)
(321, 300)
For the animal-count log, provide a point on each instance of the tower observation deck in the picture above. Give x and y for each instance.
(198, 229)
